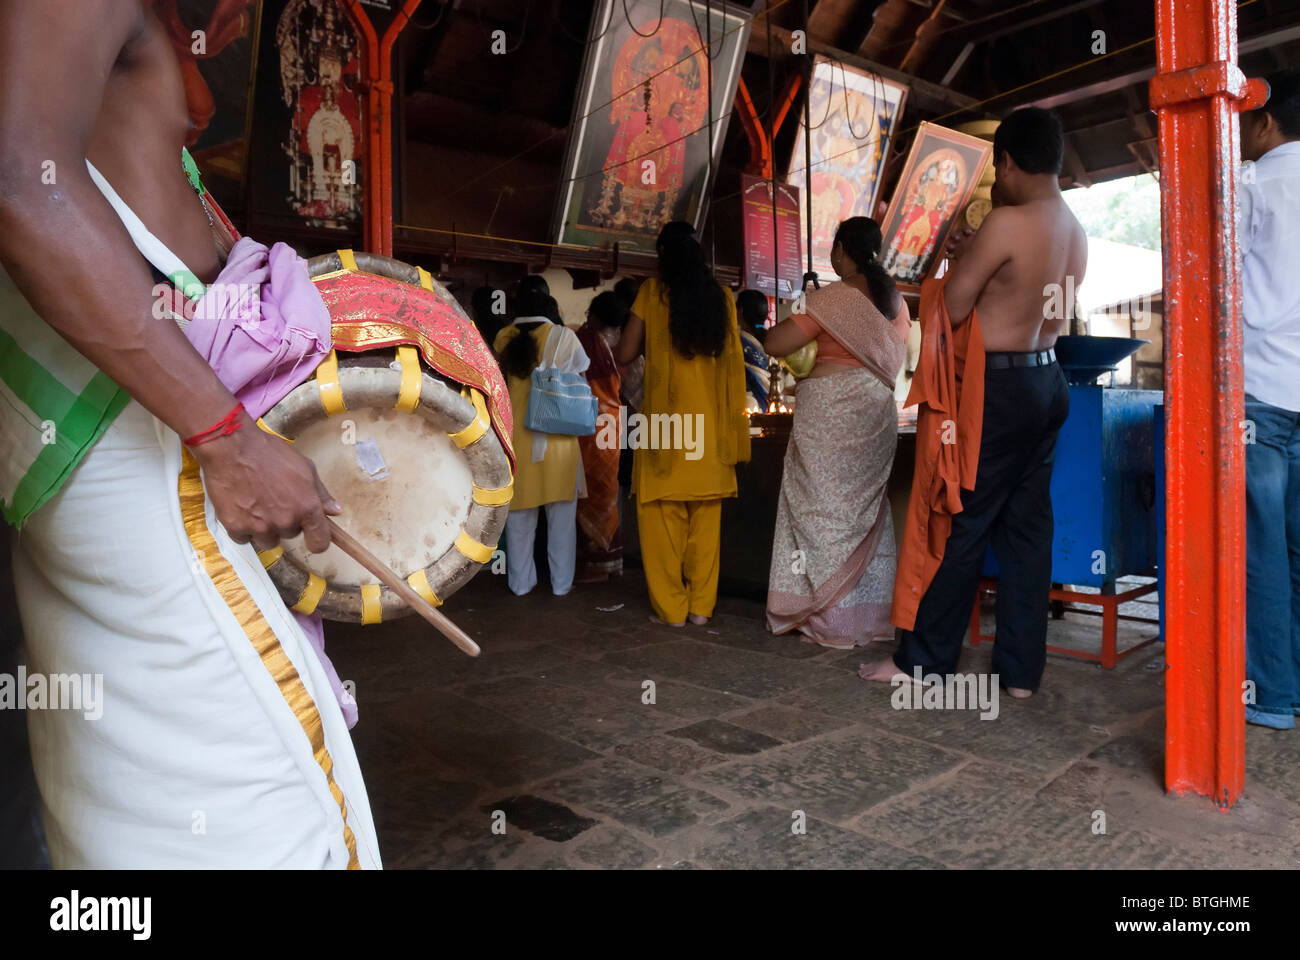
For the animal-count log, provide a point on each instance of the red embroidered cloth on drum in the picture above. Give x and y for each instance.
(370, 312)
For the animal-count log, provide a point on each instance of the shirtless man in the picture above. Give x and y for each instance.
(1012, 274)
(188, 714)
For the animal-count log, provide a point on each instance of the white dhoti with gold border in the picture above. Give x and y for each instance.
(220, 744)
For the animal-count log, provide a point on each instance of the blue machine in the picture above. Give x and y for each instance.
(1104, 478)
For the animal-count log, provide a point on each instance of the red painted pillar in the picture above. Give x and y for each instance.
(371, 203)
(379, 124)
(385, 85)
(1197, 93)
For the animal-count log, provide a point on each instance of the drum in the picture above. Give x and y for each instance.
(408, 423)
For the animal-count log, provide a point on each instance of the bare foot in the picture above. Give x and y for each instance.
(696, 619)
(882, 671)
(665, 623)
(1020, 693)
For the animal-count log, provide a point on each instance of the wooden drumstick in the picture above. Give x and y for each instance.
(353, 548)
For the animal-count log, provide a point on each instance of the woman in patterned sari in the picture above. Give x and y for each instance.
(833, 556)
(600, 541)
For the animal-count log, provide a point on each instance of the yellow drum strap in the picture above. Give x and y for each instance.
(270, 557)
(408, 396)
(419, 582)
(349, 261)
(265, 429)
(371, 610)
(495, 497)
(478, 552)
(476, 427)
(311, 595)
(426, 280)
(327, 384)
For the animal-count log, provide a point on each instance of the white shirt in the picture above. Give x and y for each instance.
(1268, 196)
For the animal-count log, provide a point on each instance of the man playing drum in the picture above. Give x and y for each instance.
(220, 743)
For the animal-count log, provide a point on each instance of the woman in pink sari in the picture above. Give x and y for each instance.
(833, 556)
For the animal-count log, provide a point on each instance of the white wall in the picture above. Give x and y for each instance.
(573, 303)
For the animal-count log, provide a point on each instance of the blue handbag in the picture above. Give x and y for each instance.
(559, 402)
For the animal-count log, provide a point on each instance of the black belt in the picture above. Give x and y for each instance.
(1003, 361)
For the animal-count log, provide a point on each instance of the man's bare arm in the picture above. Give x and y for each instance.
(61, 242)
(984, 254)
(73, 260)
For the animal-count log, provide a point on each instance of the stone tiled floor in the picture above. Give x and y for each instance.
(751, 736)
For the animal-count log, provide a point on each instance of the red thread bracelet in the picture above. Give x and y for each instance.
(222, 428)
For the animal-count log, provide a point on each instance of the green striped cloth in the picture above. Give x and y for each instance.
(54, 403)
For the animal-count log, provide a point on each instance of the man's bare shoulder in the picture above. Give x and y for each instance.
(1001, 229)
(1001, 220)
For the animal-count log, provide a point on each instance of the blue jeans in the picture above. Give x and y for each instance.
(1273, 564)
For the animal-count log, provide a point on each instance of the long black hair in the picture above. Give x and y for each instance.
(697, 305)
(859, 238)
(521, 354)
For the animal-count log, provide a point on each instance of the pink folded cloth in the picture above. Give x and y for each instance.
(261, 325)
(263, 328)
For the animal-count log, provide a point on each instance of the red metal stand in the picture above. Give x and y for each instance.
(1110, 617)
(1196, 94)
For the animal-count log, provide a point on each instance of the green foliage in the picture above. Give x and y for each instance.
(1126, 211)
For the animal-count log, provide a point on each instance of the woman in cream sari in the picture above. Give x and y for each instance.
(833, 556)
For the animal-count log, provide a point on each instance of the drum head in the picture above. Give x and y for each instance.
(414, 482)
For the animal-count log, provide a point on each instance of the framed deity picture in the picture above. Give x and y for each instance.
(853, 115)
(639, 151)
(216, 44)
(943, 169)
(310, 129)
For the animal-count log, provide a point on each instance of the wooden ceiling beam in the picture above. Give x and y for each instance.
(1135, 76)
(923, 93)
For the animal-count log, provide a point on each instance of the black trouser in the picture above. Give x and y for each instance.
(1011, 507)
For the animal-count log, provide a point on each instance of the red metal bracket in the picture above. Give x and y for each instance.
(1221, 78)
(760, 151)
(787, 100)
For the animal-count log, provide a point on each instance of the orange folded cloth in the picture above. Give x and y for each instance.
(949, 387)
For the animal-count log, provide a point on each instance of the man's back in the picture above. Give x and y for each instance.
(1269, 234)
(1046, 253)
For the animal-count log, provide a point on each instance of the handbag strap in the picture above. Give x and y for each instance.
(548, 354)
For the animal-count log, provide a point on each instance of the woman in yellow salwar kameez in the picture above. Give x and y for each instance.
(695, 430)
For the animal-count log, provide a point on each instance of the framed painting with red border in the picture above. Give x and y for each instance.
(639, 151)
(943, 169)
